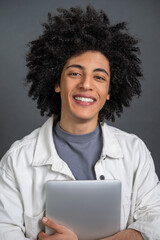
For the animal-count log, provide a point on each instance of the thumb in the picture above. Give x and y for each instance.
(51, 224)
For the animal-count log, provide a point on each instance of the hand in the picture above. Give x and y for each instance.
(62, 233)
(128, 234)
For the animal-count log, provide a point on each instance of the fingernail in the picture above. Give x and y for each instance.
(45, 219)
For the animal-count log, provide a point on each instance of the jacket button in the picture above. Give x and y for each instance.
(102, 177)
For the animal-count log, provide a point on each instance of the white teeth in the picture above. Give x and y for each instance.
(84, 99)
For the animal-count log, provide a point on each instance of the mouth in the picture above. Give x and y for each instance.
(84, 100)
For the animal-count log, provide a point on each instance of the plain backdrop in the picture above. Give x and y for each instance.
(20, 22)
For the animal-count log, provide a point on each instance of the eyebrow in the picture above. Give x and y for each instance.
(101, 70)
(82, 68)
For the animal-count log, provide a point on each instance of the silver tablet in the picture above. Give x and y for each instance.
(91, 209)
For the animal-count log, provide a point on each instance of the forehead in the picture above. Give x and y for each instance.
(89, 59)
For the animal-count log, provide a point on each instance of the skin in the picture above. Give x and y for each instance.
(88, 76)
(62, 233)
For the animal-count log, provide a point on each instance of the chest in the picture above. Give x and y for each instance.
(33, 195)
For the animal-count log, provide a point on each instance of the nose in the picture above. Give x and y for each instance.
(86, 83)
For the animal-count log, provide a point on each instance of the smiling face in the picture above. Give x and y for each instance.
(84, 88)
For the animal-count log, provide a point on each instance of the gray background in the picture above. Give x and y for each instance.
(20, 22)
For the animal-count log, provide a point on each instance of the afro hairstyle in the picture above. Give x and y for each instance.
(70, 33)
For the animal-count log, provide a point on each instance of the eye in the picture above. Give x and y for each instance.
(75, 74)
(99, 78)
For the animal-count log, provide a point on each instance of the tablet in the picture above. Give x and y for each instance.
(91, 209)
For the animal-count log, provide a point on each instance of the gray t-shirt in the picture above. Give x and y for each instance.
(80, 152)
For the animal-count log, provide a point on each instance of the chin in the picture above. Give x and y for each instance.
(86, 118)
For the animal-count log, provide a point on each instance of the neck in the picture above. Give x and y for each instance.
(79, 127)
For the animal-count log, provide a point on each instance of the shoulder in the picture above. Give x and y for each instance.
(25, 141)
(20, 148)
(134, 151)
(118, 133)
(22, 152)
(128, 141)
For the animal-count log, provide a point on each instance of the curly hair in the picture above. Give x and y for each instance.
(70, 33)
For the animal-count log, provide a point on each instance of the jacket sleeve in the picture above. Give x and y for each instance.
(11, 206)
(145, 209)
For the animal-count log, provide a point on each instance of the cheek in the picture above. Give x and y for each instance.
(66, 92)
(104, 94)
(69, 87)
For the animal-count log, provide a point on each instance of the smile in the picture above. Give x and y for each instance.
(83, 99)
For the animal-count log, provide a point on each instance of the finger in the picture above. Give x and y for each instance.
(51, 224)
(42, 236)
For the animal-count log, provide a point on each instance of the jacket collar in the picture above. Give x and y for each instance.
(44, 149)
(111, 146)
(45, 152)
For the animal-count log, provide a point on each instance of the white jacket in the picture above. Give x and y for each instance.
(32, 161)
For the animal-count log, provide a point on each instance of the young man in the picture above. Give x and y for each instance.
(82, 71)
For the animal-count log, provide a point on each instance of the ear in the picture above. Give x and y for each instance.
(109, 91)
(57, 88)
(108, 96)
